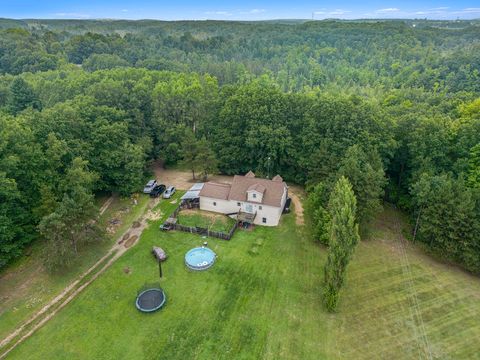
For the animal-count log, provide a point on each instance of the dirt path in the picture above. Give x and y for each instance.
(71, 291)
(299, 220)
(106, 204)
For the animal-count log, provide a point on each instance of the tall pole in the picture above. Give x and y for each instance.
(268, 167)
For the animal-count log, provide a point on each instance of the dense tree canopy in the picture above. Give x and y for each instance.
(392, 107)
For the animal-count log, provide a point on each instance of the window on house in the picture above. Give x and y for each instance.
(260, 207)
(264, 220)
(238, 204)
(254, 195)
(214, 203)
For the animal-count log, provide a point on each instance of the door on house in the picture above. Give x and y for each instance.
(249, 208)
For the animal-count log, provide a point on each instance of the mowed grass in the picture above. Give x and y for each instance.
(25, 287)
(205, 219)
(266, 303)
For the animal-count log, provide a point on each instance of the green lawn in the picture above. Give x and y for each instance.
(261, 300)
(25, 286)
(206, 219)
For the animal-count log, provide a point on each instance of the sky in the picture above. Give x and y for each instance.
(239, 10)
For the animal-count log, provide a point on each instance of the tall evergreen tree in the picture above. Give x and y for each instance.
(447, 218)
(365, 173)
(316, 207)
(343, 240)
(474, 167)
(22, 96)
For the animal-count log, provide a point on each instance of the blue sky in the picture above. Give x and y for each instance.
(238, 10)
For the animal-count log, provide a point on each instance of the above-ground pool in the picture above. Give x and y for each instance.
(199, 258)
(150, 300)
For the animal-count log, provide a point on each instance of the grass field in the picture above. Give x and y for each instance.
(25, 286)
(205, 219)
(261, 300)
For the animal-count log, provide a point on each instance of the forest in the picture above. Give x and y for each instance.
(393, 106)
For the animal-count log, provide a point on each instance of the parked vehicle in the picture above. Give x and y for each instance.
(149, 187)
(166, 226)
(157, 190)
(169, 192)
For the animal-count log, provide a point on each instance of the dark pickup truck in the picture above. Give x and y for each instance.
(157, 190)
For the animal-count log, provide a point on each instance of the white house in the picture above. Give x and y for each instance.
(262, 198)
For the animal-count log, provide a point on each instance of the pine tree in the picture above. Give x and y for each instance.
(343, 240)
(22, 96)
(316, 206)
(364, 171)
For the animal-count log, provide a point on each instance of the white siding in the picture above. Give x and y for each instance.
(254, 196)
(222, 206)
(272, 214)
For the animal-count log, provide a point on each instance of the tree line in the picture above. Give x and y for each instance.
(381, 54)
(67, 132)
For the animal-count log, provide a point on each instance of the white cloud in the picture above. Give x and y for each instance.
(124, 10)
(339, 12)
(257, 11)
(72, 15)
(387, 10)
(471, 10)
(439, 8)
(324, 13)
(219, 12)
(335, 12)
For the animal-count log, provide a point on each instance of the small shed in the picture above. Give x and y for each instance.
(192, 196)
(159, 253)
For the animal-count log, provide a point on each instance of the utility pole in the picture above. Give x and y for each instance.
(268, 167)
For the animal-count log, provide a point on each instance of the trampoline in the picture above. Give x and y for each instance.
(150, 299)
(200, 258)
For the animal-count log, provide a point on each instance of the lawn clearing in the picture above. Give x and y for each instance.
(205, 219)
(266, 303)
(25, 287)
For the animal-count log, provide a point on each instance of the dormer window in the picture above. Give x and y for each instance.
(254, 195)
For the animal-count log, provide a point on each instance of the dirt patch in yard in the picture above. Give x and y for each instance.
(203, 213)
(298, 209)
(182, 179)
(153, 215)
(131, 241)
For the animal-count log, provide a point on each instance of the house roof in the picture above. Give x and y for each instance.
(257, 187)
(277, 178)
(215, 190)
(272, 190)
(272, 193)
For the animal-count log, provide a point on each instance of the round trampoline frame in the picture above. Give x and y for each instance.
(202, 266)
(155, 308)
